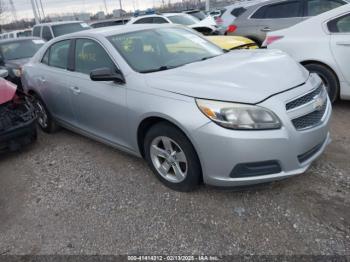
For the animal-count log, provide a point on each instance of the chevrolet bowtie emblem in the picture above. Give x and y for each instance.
(319, 102)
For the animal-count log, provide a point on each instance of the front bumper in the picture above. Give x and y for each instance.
(18, 137)
(221, 150)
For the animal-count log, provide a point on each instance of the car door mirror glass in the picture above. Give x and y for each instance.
(107, 74)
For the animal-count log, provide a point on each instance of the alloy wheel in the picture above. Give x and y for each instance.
(169, 159)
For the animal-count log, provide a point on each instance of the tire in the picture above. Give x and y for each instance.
(329, 79)
(45, 119)
(179, 144)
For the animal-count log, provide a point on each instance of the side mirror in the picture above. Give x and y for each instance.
(107, 74)
(4, 73)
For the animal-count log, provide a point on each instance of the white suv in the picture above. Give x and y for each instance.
(47, 31)
(206, 26)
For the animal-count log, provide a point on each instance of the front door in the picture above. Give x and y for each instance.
(100, 107)
(52, 81)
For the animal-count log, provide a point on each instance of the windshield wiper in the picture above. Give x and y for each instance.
(162, 68)
(208, 57)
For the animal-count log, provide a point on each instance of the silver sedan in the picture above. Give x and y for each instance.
(194, 112)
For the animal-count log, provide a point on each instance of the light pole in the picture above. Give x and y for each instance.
(34, 12)
(207, 5)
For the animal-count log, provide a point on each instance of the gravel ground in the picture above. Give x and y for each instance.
(69, 195)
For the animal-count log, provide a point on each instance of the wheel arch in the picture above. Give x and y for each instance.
(150, 121)
(308, 62)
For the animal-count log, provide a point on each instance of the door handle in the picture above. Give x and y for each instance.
(343, 43)
(266, 29)
(75, 90)
(42, 80)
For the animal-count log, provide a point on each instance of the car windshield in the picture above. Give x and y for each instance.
(20, 49)
(164, 48)
(183, 19)
(64, 29)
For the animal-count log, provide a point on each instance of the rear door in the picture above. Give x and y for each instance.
(52, 81)
(276, 16)
(100, 107)
(340, 43)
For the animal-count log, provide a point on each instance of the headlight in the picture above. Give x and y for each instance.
(239, 116)
(17, 72)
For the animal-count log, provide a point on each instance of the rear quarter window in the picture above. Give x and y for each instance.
(238, 11)
(340, 24)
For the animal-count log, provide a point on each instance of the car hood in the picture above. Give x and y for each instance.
(17, 63)
(7, 91)
(247, 76)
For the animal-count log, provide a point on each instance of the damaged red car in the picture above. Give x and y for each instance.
(17, 117)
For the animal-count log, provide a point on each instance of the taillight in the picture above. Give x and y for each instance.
(231, 28)
(271, 39)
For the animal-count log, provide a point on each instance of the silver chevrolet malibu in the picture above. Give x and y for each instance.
(193, 111)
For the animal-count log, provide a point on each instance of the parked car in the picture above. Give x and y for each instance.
(233, 42)
(206, 27)
(16, 34)
(257, 20)
(194, 112)
(109, 22)
(322, 45)
(17, 117)
(47, 31)
(14, 53)
(229, 13)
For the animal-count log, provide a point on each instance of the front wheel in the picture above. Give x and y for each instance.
(44, 118)
(172, 157)
(329, 79)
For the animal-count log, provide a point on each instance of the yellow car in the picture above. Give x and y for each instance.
(233, 42)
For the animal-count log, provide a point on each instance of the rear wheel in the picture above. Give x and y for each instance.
(329, 79)
(172, 157)
(44, 118)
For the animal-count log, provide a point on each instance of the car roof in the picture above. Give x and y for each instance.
(171, 14)
(115, 30)
(248, 3)
(12, 40)
(58, 23)
(110, 20)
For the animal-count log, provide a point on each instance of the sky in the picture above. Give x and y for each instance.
(24, 8)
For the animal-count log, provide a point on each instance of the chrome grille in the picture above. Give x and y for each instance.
(310, 120)
(304, 99)
(308, 110)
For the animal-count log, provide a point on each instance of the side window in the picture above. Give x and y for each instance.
(89, 55)
(59, 54)
(316, 7)
(159, 20)
(45, 59)
(47, 33)
(260, 13)
(340, 24)
(36, 31)
(284, 10)
(146, 20)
